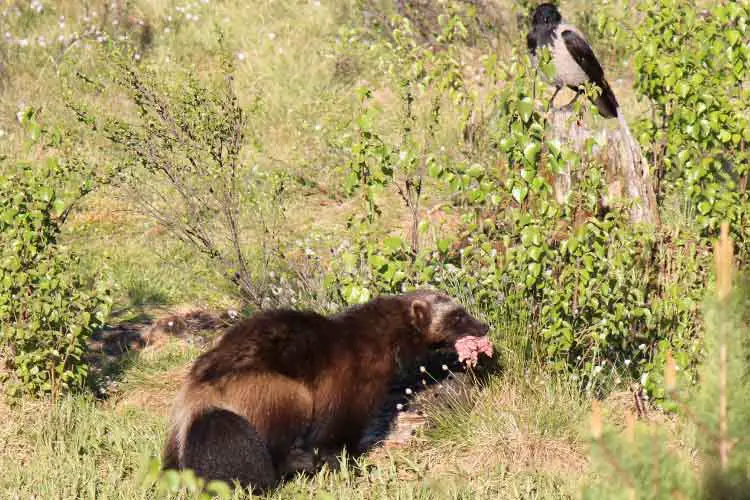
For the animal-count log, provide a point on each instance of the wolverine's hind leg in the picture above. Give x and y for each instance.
(222, 445)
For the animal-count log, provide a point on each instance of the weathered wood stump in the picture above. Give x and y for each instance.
(627, 172)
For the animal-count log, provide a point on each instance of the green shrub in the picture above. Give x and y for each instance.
(599, 296)
(47, 309)
(691, 66)
(191, 158)
(642, 462)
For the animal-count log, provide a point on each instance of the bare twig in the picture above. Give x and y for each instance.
(196, 191)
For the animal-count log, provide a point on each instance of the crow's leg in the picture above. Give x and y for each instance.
(569, 106)
(552, 99)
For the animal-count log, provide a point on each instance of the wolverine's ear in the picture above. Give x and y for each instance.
(420, 315)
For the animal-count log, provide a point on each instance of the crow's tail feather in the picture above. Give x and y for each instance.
(606, 102)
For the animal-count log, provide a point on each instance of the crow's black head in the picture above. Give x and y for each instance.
(546, 14)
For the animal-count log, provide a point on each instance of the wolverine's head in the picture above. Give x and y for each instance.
(441, 320)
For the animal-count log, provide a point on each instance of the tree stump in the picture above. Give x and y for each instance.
(627, 172)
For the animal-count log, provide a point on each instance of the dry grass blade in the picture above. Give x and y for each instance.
(597, 424)
(670, 373)
(724, 258)
(724, 255)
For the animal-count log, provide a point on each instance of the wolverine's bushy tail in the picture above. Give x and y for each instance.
(221, 445)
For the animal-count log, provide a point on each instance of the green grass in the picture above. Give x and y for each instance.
(81, 448)
(76, 449)
(493, 446)
(145, 264)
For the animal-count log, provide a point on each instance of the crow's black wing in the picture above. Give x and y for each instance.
(583, 55)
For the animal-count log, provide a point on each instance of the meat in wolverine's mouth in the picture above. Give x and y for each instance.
(468, 347)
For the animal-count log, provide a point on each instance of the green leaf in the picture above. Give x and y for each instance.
(475, 171)
(219, 489)
(45, 193)
(35, 131)
(519, 192)
(378, 262)
(443, 244)
(531, 152)
(733, 36)
(682, 89)
(527, 174)
(535, 253)
(572, 244)
(434, 170)
(531, 235)
(58, 207)
(12, 263)
(349, 260)
(538, 184)
(393, 243)
(356, 294)
(588, 263)
(535, 269)
(525, 108)
(704, 207)
(554, 147)
(506, 144)
(8, 216)
(170, 481)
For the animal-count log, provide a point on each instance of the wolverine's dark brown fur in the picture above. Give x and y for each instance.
(301, 381)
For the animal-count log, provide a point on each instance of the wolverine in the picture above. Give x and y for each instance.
(284, 386)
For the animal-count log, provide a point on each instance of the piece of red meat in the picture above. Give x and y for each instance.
(469, 348)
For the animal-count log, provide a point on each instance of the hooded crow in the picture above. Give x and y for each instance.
(574, 61)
